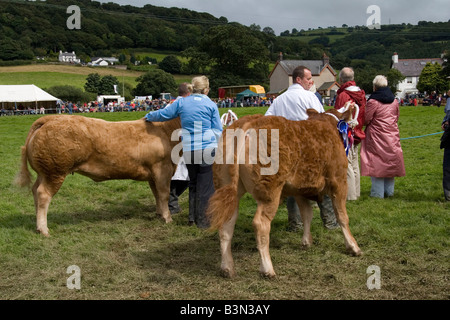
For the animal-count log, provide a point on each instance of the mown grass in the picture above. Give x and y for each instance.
(110, 231)
(46, 76)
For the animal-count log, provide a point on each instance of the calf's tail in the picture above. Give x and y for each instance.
(23, 178)
(224, 201)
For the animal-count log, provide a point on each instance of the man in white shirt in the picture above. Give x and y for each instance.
(292, 105)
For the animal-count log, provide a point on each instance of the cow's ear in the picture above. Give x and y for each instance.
(347, 115)
(346, 111)
(311, 112)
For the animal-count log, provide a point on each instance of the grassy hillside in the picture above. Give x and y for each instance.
(46, 76)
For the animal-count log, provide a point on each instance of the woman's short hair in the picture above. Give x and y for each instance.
(380, 81)
(200, 84)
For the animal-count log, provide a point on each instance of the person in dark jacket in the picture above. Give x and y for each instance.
(446, 146)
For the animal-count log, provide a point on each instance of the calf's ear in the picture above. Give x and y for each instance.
(311, 112)
(346, 111)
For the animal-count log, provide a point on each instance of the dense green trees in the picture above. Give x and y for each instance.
(431, 79)
(101, 85)
(71, 93)
(155, 82)
(170, 64)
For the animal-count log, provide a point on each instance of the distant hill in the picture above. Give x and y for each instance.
(39, 28)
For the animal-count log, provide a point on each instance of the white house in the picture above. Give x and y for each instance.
(103, 61)
(68, 57)
(411, 69)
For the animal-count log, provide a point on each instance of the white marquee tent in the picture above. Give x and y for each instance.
(27, 95)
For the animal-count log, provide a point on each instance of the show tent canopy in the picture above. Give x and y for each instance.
(24, 94)
(245, 94)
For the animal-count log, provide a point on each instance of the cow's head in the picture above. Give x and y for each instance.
(345, 114)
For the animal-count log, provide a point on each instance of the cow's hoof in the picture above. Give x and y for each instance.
(355, 252)
(166, 219)
(43, 232)
(169, 220)
(228, 273)
(307, 242)
(268, 275)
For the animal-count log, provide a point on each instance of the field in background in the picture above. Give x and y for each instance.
(110, 231)
(46, 76)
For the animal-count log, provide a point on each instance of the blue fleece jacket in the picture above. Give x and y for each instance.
(200, 121)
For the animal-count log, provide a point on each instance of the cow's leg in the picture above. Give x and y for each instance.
(306, 213)
(43, 191)
(339, 205)
(161, 191)
(265, 212)
(226, 235)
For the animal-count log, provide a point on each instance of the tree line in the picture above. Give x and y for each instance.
(228, 52)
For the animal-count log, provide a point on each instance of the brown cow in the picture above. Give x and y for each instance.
(59, 145)
(311, 162)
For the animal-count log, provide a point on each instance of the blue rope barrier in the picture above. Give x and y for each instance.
(425, 135)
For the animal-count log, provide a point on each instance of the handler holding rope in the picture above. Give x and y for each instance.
(292, 105)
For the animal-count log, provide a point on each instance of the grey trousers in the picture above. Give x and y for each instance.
(353, 174)
(326, 213)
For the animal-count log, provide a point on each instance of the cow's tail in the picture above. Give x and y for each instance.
(224, 201)
(23, 178)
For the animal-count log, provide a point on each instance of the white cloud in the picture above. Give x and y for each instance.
(284, 15)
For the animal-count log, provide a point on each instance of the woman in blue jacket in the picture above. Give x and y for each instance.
(201, 130)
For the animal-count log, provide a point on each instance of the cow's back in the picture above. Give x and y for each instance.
(97, 148)
(310, 153)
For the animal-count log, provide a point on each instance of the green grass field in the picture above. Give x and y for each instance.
(63, 75)
(109, 230)
(46, 76)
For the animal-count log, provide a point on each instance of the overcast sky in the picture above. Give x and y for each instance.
(283, 15)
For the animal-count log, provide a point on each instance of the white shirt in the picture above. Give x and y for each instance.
(293, 104)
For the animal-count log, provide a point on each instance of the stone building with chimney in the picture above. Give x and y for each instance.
(323, 74)
(411, 70)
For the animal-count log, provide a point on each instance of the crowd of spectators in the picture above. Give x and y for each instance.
(69, 107)
(433, 99)
(245, 102)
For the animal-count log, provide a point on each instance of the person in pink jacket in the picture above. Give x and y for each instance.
(381, 152)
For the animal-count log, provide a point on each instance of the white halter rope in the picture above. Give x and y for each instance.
(343, 127)
(229, 115)
(353, 122)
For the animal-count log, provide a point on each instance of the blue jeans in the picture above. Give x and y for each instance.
(382, 187)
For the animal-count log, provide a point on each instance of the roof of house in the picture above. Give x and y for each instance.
(67, 54)
(413, 67)
(327, 85)
(316, 66)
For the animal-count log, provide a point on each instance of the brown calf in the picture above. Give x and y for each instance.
(59, 145)
(311, 163)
